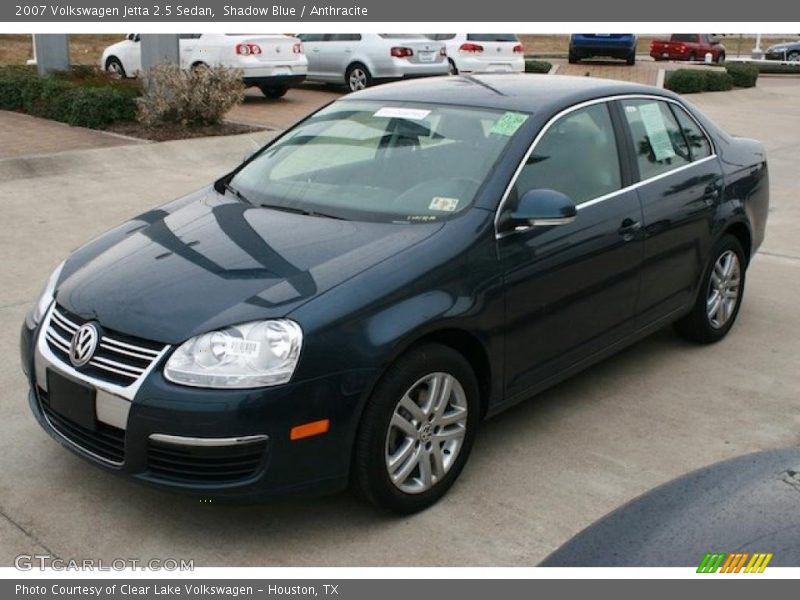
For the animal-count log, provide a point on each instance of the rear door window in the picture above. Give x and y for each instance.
(658, 141)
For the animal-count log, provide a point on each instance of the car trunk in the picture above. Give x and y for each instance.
(425, 50)
(274, 48)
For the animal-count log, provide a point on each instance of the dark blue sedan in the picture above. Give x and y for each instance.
(348, 305)
(606, 45)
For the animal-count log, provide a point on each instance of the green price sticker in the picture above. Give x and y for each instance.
(509, 123)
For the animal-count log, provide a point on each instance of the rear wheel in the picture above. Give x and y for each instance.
(272, 91)
(357, 77)
(692, 57)
(793, 56)
(720, 58)
(452, 67)
(417, 430)
(573, 58)
(631, 60)
(720, 295)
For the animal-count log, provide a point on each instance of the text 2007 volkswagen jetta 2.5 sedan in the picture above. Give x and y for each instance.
(348, 304)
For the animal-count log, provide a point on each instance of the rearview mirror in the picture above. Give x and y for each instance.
(539, 208)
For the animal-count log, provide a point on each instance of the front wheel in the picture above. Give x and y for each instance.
(793, 56)
(417, 430)
(720, 295)
(114, 68)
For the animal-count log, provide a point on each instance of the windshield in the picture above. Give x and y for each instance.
(388, 162)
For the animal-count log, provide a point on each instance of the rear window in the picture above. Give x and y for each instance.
(683, 37)
(492, 37)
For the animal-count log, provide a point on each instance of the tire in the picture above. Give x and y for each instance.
(701, 325)
(357, 77)
(413, 444)
(573, 58)
(720, 58)
(793, 56)
(692, 57)
(114, 67)
(453, 67)
(273, 92)
(631, 60)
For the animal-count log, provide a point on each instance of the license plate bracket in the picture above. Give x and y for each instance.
(72, 400)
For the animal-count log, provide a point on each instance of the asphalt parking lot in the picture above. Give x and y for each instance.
(538, 474)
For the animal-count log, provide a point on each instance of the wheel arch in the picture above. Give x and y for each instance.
(741, 232)
(467, 345)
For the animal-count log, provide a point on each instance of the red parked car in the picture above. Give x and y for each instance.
(688, 46)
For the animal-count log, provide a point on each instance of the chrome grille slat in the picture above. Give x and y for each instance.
(65, 323)
(116, 365)
(145, 352)
(118, 362)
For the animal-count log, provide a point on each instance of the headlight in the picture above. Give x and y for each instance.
(36, 314)
(255, 354)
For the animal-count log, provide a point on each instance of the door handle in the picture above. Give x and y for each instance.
(711, 195)
(628, 229)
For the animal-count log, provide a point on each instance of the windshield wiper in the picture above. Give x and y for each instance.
(302, 211)
(229, 188)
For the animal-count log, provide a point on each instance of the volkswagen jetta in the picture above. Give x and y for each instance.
(347, 305)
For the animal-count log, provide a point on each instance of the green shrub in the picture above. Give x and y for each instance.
(685, 81)
(692, 81)
(75, 97)
(12, 82)
(537, 66)
(717, 81)
(743, 74)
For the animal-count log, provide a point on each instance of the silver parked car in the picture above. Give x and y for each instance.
(360, 59)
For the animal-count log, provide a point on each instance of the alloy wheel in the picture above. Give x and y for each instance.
(426, 433)
(723, 289)
(358, 79)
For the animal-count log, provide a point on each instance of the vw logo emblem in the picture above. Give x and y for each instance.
(83, 344)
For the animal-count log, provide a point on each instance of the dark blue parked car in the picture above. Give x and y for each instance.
(348, 304)
(610, 45)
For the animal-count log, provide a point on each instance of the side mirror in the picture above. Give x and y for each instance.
(541, 208)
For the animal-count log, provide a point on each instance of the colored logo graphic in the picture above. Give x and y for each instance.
(738, 562)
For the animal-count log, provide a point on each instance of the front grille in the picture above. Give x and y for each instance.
(199, 464)
(106, 442)
(119, 359)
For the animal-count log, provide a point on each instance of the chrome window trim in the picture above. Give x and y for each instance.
(570, 109)
(44, 357)
(180, 440)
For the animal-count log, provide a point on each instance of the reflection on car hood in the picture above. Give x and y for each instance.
(209, 261)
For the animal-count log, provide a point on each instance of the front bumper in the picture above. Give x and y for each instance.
(209, 443)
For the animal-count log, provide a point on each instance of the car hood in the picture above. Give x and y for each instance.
(209, 261)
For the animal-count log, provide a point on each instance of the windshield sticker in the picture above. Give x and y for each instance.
(509, 123)
(656, 129)
(393, 112)
(443, 204)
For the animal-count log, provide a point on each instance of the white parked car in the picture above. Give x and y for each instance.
(483, 52)
(360, 59)
(272, 63)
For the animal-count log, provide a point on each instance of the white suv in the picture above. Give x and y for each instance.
(272, 63)
(483, 52)
(359, 59)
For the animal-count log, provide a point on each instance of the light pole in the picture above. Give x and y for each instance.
(757, 51)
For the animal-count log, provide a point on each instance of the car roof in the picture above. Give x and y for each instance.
(532, 93)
